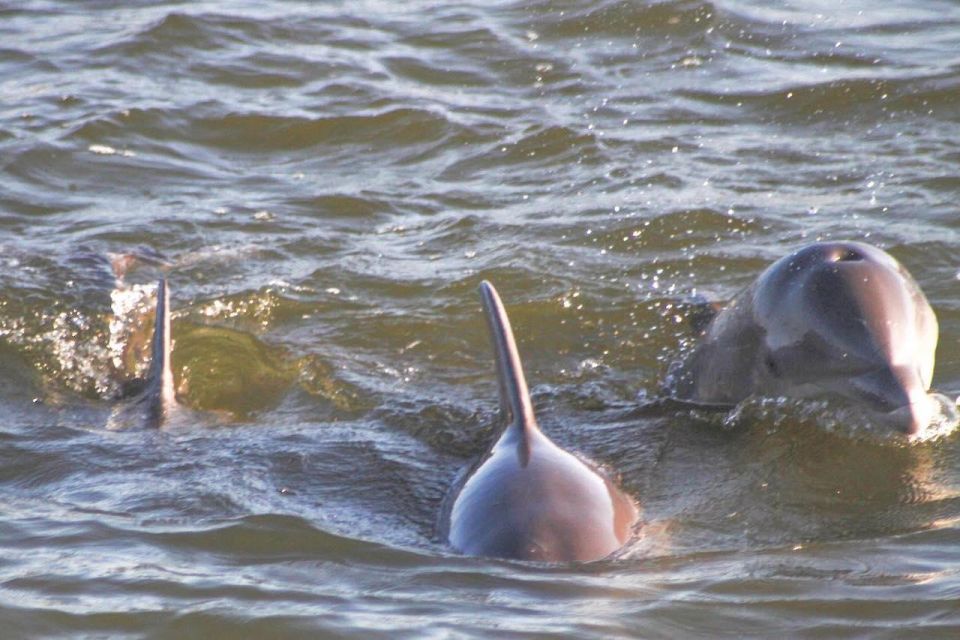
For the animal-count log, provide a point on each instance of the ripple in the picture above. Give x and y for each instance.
(858, 99)
(257, 133)
(344, 205)
(417, 71)
(538, 149)
(263, 71)
(615, 18)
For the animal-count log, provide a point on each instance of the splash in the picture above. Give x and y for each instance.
(77, 358)
(64, 345)
(130, 305)
(944, 422)
(840, 418)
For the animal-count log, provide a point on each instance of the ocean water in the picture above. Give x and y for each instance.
(325, 184)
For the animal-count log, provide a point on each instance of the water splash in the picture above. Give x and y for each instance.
(944, 422)
(129, 305)
(837, 417)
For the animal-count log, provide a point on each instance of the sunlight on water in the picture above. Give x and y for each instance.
(944, 422)
(130, 305)
(324, 185)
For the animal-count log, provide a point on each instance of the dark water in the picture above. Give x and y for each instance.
(326, 184)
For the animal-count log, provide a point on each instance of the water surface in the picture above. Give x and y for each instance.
(326, 184)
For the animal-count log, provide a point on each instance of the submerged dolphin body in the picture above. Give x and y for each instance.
(833, 318)
(154, 401)
(528, 498)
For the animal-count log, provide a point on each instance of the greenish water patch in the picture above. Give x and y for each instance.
(229, 371)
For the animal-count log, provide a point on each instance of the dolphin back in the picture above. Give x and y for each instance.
(528, 498)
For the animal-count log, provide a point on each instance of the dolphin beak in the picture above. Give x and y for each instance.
(899, 393)
(913, 418)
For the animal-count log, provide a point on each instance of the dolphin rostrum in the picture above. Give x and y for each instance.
(833, 318)
(528, 498)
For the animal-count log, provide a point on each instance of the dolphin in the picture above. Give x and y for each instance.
(527, 498)
(153, 400)
(831, 319)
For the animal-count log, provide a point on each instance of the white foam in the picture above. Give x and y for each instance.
(105, 150)
(944, 420)
(126, 303)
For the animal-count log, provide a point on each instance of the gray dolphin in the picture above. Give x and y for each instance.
(153, 399)
(159, 395)
(528, 498)
(833, 318)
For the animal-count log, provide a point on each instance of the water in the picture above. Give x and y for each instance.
(326, 184)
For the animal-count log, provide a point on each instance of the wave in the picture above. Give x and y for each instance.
(856, 99)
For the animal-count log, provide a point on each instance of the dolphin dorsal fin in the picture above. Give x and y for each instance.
(514, 394)
(159, 381)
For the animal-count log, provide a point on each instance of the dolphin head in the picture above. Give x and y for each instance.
(846, 318)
